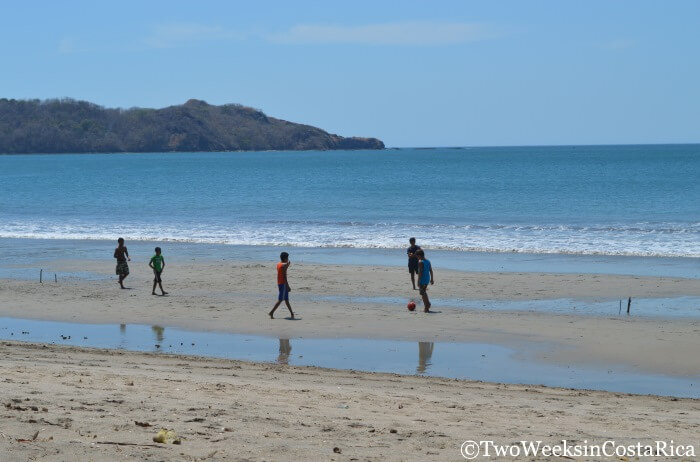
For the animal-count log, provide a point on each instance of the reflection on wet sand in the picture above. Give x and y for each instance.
(425, 352)
(473, 361)
(159, 333)
(285, 349)
(123, 339)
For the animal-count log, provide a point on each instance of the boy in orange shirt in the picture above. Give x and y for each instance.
(282, 284)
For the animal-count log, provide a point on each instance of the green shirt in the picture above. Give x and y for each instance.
(157, 261)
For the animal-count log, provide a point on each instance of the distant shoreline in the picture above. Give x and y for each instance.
(386, 148)
(497, 146)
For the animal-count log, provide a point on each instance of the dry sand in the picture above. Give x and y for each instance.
(84, 403)
(64, 403)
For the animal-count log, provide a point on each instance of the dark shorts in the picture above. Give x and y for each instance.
(423, 289)
(156, 275)
(122, 268)
(412, 266)
(283, 292)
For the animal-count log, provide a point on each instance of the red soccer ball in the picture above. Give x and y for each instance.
(411, 306)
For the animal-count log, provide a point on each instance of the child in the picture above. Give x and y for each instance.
(425, 276)
(158, 264)
(282, 284)
(122, 255)
(412, 260)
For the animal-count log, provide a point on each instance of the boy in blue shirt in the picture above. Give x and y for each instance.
(425, 277)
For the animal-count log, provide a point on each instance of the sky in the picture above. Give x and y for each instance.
(412, 73)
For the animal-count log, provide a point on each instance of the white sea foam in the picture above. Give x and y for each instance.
(639, 239)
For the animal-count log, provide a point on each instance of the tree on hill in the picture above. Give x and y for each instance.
(70, 126)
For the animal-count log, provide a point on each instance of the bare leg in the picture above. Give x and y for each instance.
(290, 308)
(153, 292)
(426, 302)
(160, 284)
(271, 313)
(413, 280)
(121, 281)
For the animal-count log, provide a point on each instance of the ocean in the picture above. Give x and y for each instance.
(638, 200)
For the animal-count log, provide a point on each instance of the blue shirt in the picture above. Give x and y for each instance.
(425, 275)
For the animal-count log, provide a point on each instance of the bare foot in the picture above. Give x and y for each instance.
(164, 293)
(153, 293)
(271, 315)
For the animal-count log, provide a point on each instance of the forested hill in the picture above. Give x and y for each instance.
(70, 126)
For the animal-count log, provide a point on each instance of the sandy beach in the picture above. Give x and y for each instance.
(235, 297)
(91, 404)
(66, 403)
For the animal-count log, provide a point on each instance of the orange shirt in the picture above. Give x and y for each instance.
(280, 272)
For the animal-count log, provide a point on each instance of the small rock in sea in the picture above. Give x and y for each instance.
(337, 450)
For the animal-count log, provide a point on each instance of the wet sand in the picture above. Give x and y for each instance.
(235, 297)
(67, 403)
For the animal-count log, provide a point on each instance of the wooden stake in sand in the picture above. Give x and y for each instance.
(41, 276)
(629, 303)
(55, 278)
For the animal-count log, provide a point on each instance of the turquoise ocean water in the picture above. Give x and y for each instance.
(577, 200)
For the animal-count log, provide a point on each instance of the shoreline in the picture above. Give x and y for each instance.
(33, 253)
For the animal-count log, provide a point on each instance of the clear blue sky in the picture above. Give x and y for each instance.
(413, 73)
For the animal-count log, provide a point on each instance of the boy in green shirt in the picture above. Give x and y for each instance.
(158, 264)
